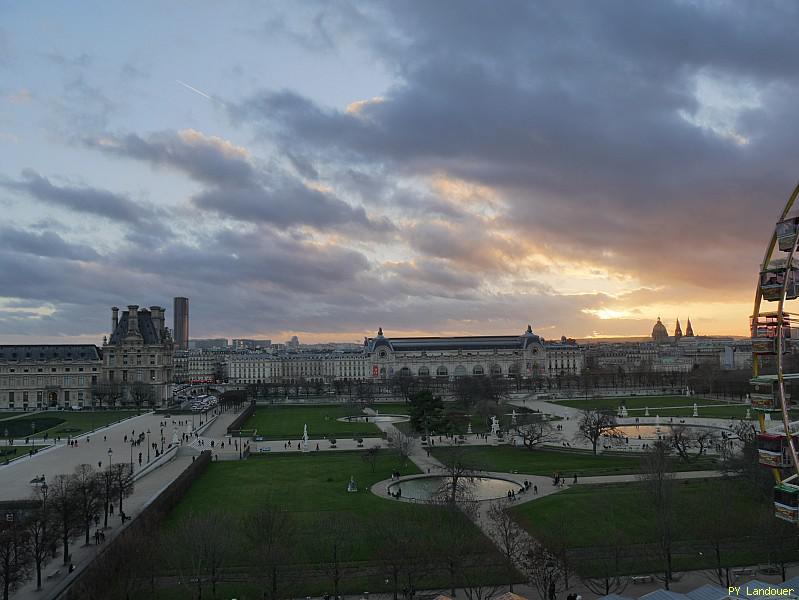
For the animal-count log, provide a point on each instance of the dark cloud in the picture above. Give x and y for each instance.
(205, 158)
(87, 200)
(45, 243)
(235, 187)
(591, 125)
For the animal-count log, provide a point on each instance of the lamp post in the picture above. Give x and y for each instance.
(148, 444)
(131, 455)
(110, 452)
(162, 443)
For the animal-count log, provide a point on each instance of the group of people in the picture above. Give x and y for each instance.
(525, 488)
(559, 480)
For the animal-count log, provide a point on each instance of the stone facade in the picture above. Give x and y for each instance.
(34, 377)
(381, 358)
(139, 350)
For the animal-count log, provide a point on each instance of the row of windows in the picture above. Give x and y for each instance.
(31, 380)
(42, 370)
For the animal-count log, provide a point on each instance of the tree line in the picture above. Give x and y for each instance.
(60, 511)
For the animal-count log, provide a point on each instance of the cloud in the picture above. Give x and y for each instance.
(234, 186)
(45, 243)
(577, 130)
(86, 200)
(208, 159)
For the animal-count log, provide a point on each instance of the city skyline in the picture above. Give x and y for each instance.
(327, 168)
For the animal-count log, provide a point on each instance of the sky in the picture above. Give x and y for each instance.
(443, 168)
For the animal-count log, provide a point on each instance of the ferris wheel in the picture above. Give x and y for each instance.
(773, 330)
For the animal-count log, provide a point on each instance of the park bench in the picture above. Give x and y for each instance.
(54, 574)
(743, 572)
(642, 579)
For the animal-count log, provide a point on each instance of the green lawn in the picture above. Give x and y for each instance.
(508, 459)
(632, 402)
(665, 406)
(10, 414)
(313, 489)
(60, 423)
(9, 453)
(286, 422)
(703, 510)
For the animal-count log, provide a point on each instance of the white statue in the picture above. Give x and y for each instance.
(494, 426)
(352, 486)
(469, 428)
(696, 410)
(646, 411)
(305, 437)
(513, 417)
(748, 415)
(657, 423)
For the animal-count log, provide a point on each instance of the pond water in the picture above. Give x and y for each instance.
(481, 488)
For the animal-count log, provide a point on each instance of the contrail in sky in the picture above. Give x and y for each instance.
(196, 91)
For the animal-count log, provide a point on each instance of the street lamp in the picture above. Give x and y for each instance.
(162, 442)
(110, 452)
(131, 455)
(148, 444)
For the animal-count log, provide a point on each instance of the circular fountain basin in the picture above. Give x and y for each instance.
(376, 419)
(425, 487)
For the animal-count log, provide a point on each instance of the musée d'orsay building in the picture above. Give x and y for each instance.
(381, 357)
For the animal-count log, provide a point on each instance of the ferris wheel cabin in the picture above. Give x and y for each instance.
(786, 501)
(772, 279)
(765, 395)
(764, 327)
(772, 449)
(786, 231)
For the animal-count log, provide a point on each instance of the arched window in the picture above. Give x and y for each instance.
(442, 371)
(496, 370)
(477, 370)
(405, 372)
(460, 371)
(424, 372)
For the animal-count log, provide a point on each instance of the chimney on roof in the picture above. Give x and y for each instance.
(157, 314)
(133, 319)
(114, 318)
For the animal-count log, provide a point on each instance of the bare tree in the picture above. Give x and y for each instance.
(122, 481)
(335, 543)
(15, 559)
(370, 456)
(106, 393)
(267, 530)
(535, 433)
(61, 494)
(594, 424)
(406, 551)
(40, 530)
(141, 394)
(402, 443)
(458, 481)
(543, 570)
(510, 538)
(607, 563)
(659, 480)
(203, 546)
(129, 559)
(684, 439)
(87, 492)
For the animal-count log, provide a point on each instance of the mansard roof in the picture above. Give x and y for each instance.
(474, 342)
(51, 352)
(146, 329)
